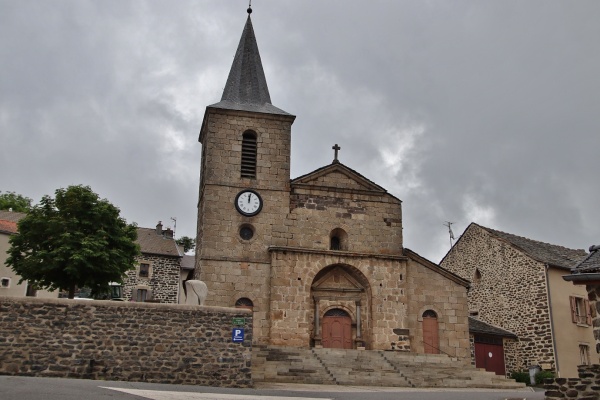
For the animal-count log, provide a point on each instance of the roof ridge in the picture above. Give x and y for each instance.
(529, 239)
(548, 253)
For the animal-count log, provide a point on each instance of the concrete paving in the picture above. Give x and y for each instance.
(32, 388)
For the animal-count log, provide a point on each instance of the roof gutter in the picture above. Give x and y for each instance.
(582, 277)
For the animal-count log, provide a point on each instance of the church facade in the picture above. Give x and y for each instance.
(319, 258)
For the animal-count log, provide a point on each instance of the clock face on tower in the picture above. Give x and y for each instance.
(248, 203)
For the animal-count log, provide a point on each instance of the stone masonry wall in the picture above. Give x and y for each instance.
(510, 294)
(163, 279)
(139, 342)
(221, 181)
(231, 266)
(594, 297)
(399, 291)
(586, 387)
(373, 222)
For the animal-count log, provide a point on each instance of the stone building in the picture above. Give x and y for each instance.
(319, 258)
(487, 345)
(517, 285)
(9, 280)
(587, 273)
(156, 277)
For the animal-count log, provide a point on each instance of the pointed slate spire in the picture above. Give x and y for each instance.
(246, 88)
(246, 82)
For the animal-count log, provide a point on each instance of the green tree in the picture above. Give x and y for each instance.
(15, 201)
(72, 241)
(187, 243)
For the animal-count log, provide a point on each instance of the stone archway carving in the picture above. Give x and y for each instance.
(345, 288)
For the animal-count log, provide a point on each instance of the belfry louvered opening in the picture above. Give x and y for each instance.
(248, 167)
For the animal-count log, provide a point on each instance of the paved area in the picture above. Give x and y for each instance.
(31, 388)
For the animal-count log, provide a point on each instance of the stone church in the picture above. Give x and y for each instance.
(318, 258)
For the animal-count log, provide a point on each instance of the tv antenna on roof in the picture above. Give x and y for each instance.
(174, 219)
(448, 224)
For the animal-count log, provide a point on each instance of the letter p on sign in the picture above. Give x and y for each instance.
(237, 335)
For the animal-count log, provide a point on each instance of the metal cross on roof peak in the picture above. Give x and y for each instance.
(336, 148)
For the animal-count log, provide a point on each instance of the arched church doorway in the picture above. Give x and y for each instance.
(337, 330)
(341, 297)
(431, 339)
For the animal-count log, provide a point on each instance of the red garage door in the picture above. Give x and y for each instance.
(489, 354)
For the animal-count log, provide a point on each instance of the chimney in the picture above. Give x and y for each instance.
(169, 233)
(159, 228)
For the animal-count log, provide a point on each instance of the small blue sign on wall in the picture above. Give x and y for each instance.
(237, 335)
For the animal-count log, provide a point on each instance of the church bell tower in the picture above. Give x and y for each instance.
(244, 186)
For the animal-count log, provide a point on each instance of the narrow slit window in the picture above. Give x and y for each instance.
(248, 165)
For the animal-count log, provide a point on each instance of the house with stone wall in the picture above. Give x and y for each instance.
(487, 345)
(9, 280)
(157, 273)
(517, 285)
(587, 273)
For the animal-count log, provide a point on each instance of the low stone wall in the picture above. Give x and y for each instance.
(586, 387)
(141, 342)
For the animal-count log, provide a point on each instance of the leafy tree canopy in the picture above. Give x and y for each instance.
(187, 243)
(74, 240)
(14, 201)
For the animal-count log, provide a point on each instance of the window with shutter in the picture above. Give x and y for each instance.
(588, 312)
(573, 303)
(248, 165)
(580, 310)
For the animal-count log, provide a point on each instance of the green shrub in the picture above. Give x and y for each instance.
(521, 376)
(542, 375)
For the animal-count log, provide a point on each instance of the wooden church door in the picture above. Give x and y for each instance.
(337, 330)
(431, 340)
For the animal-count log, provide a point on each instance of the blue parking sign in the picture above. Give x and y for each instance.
(237, 335)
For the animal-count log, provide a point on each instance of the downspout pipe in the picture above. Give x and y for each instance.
(546, 269)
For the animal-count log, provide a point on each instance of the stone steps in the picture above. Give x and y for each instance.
(369, 368)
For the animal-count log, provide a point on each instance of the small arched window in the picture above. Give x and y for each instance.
(335, 243)
(244, 302)
(248, 164)
(429, 314)
(338, 239)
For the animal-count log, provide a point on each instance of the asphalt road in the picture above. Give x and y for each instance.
(29, 388)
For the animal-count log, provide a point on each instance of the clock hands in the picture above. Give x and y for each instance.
(249, 195)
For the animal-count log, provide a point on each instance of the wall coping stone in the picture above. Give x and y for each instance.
(131, 304)
(339, 253)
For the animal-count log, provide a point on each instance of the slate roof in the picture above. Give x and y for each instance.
(8, 221)
(589, 264)
(188, 262)
(557, 256)
(151, 243)
(11, 215)
(246, 88)
(483, 328)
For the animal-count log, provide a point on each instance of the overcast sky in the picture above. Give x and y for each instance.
(468, 111)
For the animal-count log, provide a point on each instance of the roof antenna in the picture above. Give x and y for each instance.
(449, 224)
(249, 7)
(174, 219)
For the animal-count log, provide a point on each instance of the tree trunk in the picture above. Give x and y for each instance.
(72, 291)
